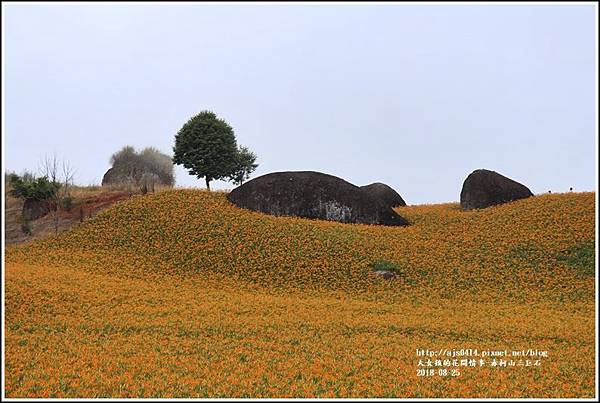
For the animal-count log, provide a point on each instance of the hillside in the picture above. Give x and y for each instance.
(182, 294)
(87, 202)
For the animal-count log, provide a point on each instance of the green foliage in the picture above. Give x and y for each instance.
(245, 165)
(25, 176)
(384, 265)
(582, 257)
(206, 146)
(28, 187)
(67, 203)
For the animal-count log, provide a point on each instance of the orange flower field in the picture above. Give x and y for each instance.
(181, 294)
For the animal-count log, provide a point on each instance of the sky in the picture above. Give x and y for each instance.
(415, 96)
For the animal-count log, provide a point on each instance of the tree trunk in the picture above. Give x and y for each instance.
(207, 184)
(56, 216)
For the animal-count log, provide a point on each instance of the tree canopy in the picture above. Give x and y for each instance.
(148, 164)
(206, 146)
(245, 165)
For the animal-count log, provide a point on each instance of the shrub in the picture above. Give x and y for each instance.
(385, 266)
(144, 167)
(67, 203)
(27, 187)
(157, 165)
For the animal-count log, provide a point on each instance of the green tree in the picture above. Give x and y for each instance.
(206, 147)
(245, 165)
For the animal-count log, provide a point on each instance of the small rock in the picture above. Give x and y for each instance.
(387, 275)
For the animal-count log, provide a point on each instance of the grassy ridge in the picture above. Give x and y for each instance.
(180, 294)
(518, 248)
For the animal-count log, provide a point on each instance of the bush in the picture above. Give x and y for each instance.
(27, 187)
(67, 203)
(157, 164)
(385, 265)
(149, 165)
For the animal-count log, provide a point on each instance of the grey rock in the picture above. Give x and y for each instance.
(315, 195)
(484, 188)
(386, 194)
(387, 275)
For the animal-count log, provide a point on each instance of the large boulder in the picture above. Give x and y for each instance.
(386, 194)
(312, 195)
(484, 188)
(111, 177)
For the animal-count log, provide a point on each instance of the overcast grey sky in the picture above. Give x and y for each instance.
(416, 96)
